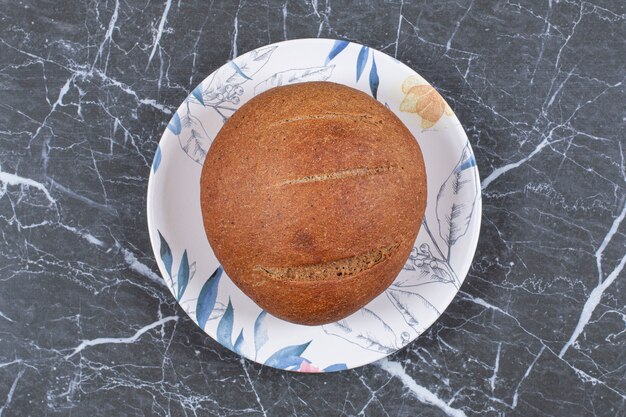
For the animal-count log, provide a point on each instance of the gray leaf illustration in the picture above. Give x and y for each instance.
(294, 76)
(455, 201)
(196, 141)
(427, 269)
(365, 329)
(414, 308)
(224, 86)
(434, 271)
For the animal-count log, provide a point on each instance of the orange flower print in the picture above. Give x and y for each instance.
(421, 98)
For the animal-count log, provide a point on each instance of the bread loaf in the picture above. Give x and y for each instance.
(312, 196)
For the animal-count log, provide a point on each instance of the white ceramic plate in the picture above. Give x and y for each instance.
(432, 275)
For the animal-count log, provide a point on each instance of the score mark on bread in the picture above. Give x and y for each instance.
(337, 175)
(332, 116)
(332, 270)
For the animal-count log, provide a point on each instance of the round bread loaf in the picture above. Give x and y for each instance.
(312, 195)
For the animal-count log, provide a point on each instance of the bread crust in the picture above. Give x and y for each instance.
(312, 196)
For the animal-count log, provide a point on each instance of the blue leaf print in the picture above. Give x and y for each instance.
(468, 163)
(288, 357)
(225, 327)
(157, 160)
(361, 61)
(183, 275)
(207, 297)
(336, 367)
(239, 342)
(455, 201)
(290, 363)
(166, 255)
(260, 331)
(374, 80)
(239, 71)
(338, 46)
(197, 93)
(174, 124)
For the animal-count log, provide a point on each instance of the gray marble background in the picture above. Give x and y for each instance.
(87, 327)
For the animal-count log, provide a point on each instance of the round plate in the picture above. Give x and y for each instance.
(432, 275)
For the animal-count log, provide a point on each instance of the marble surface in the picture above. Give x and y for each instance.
(87, 327)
